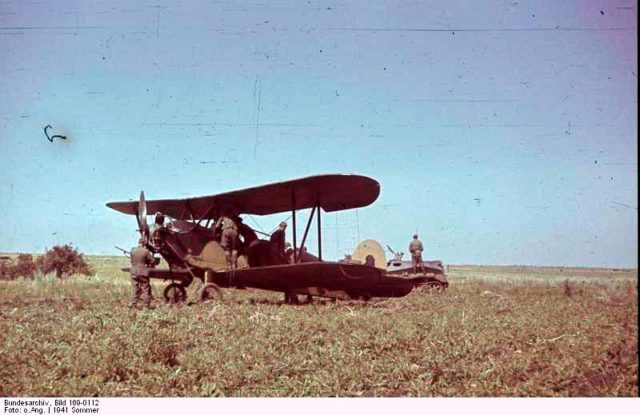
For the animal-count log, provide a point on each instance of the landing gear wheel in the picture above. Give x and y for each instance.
(291, 298)
(208, 292)
(174, 293)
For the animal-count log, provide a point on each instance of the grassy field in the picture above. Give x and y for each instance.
(497, 331)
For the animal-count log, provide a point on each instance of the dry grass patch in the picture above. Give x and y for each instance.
(493, 333)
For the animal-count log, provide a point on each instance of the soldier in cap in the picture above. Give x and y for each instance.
(228, 231)
(156, 230)
(141, 261)
(416, 248)
(277, 240)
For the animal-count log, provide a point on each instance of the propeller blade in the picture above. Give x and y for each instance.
(142, 217)
(142, 207)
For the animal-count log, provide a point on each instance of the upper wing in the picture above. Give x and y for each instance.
(332, 192)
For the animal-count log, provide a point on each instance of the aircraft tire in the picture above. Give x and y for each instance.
(174, 293)
(290, 298)
(209, 292)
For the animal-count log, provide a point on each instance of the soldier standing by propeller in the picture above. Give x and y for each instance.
(416, 248)
(141, 260)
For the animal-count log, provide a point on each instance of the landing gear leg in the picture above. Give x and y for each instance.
(290, 298)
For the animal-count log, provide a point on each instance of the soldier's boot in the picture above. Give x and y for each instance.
(146, 300)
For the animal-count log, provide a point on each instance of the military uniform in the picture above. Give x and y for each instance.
(156, 230)
(416, 248)
(228, 239)
(141, 261)
(277, 241)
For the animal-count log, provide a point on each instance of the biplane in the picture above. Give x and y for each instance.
(192, 250)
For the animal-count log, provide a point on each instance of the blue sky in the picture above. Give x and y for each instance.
(503, 131)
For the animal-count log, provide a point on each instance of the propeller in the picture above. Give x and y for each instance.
(141, 217)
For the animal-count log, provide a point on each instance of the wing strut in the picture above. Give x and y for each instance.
(293, 214)
(306, 230)
(190, 211)
(319, 231)
(205, 215)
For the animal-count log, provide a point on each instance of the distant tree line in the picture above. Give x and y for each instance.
(62, 260)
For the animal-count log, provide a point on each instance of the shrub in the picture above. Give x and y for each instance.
(5, 268)
(64, 261)
(25, 267)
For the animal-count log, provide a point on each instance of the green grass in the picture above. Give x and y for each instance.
(497, 331)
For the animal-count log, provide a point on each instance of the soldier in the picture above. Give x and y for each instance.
(141, 261)
(248, 235)
(278, 242)
(416, 248)
(156, 230)
(228, 231)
